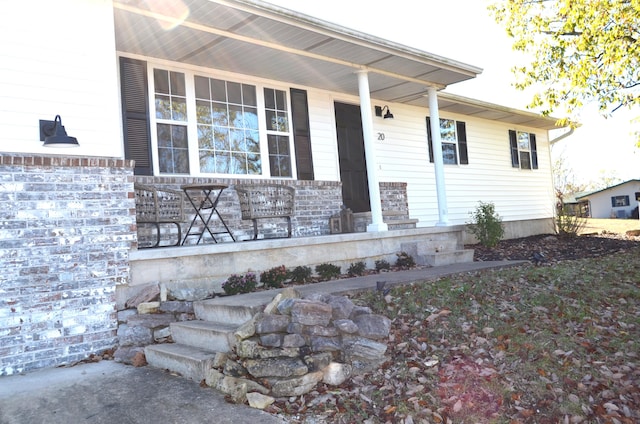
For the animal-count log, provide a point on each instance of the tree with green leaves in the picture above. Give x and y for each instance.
(582, 51)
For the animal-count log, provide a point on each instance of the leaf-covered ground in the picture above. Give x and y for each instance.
(555, 343)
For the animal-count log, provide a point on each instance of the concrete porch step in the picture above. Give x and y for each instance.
(449, 257)
(208, 335)
(188, 361)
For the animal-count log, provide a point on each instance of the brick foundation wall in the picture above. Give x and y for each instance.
(66, 228)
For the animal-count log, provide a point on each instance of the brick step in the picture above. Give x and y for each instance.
(449, 257)
(188, 361)
(208, 335)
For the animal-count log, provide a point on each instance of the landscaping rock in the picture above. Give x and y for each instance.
(275, 367)
(372, 326)
(336, 373)
(308, 312)
(148, 308)
(258, 400)
(134, 335)
(296, 386)
(147, 294)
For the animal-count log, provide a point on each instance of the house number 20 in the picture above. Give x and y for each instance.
(381, 136)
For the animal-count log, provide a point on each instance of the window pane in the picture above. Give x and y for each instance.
(254, 164)
(179, 136)
(203, 112)
(202, 88)
(208, 163)
(236, 117)
(177, 84)
(449, 153)
(223, 161)
(164, 135)
(269, 98)
(525, 160)
(205, 137)
(236, 138)
(221, 136)
(249, 95)
(251, 118)
(218, 90)
(234, 93)
(179, 109)
(283, 122)
(523, 141)
(161, 81)
(163, 107)
(220, 115)
(238, 163)
(281, 100)
(272, 120)
(173, 152)
(279, 156)
(448, 130)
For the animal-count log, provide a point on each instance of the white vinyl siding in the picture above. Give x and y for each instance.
(34, 86)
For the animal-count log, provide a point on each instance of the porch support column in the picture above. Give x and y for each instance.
(443, 211)
(369, 153)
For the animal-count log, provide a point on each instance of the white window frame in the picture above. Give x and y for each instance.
(192, 125)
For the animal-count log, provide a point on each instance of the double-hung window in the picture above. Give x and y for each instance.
(453, 135)
(524, 154)
(171, 121)
(206, 125)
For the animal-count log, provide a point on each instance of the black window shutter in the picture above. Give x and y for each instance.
(135, 114)
(613, 202)
(301, 134)
(429, 139)
(462, 143)
(534, 151)
(513, 140)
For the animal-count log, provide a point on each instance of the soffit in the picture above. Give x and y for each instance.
(256, 38)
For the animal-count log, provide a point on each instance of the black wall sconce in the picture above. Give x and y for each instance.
(54, 135)
(379, 110)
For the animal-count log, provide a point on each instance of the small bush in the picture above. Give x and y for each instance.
(274, 277)
(486, 224)
(237, 284)
(568, 225)
(405, 260)
(327, 271)
(356, 269)
(382, 265)
(301, 274)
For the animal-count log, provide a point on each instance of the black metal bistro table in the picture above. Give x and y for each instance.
(204, 199)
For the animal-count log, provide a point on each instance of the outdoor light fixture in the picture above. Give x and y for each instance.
(387, 115)
(54, 135)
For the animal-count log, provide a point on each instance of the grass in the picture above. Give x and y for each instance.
(546, 344)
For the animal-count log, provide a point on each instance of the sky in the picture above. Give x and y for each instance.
(463, 30)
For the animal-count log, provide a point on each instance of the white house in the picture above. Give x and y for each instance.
(230, 91)
(618, 201)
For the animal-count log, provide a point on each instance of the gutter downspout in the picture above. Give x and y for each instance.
(377, 224)
(443, 212)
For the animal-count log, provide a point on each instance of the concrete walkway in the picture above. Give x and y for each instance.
(109, 392)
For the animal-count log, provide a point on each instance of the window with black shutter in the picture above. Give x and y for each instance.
(524, 150)
(453, 136)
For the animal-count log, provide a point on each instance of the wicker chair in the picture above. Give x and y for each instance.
(266, 201)
(157, 206)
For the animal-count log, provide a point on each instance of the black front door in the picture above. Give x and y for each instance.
(353, 166)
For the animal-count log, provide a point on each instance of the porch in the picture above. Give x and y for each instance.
(195, 271)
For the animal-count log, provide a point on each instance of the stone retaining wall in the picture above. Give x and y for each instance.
(297, 343)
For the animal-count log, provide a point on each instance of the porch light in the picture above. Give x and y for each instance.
(54, 135)
(387, 115)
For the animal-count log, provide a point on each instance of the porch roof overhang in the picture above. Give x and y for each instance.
(256, 38)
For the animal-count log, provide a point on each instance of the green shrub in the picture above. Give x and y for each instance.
(237, 284)
(382, 265)
(486, 224)
(405, 260)
(301, 274)
(327, 271)
(568, 225)
(356, 269)
(274, 277)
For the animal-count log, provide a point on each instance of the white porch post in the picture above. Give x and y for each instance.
(369, 152)
(443, 212)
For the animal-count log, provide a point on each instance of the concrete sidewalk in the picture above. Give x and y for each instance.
(109, 392)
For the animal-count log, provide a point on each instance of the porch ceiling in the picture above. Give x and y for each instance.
(256, 38)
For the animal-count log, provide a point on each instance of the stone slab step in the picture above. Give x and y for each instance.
(449, 257)
(212, 336)
(188, 361)
(228, 309)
